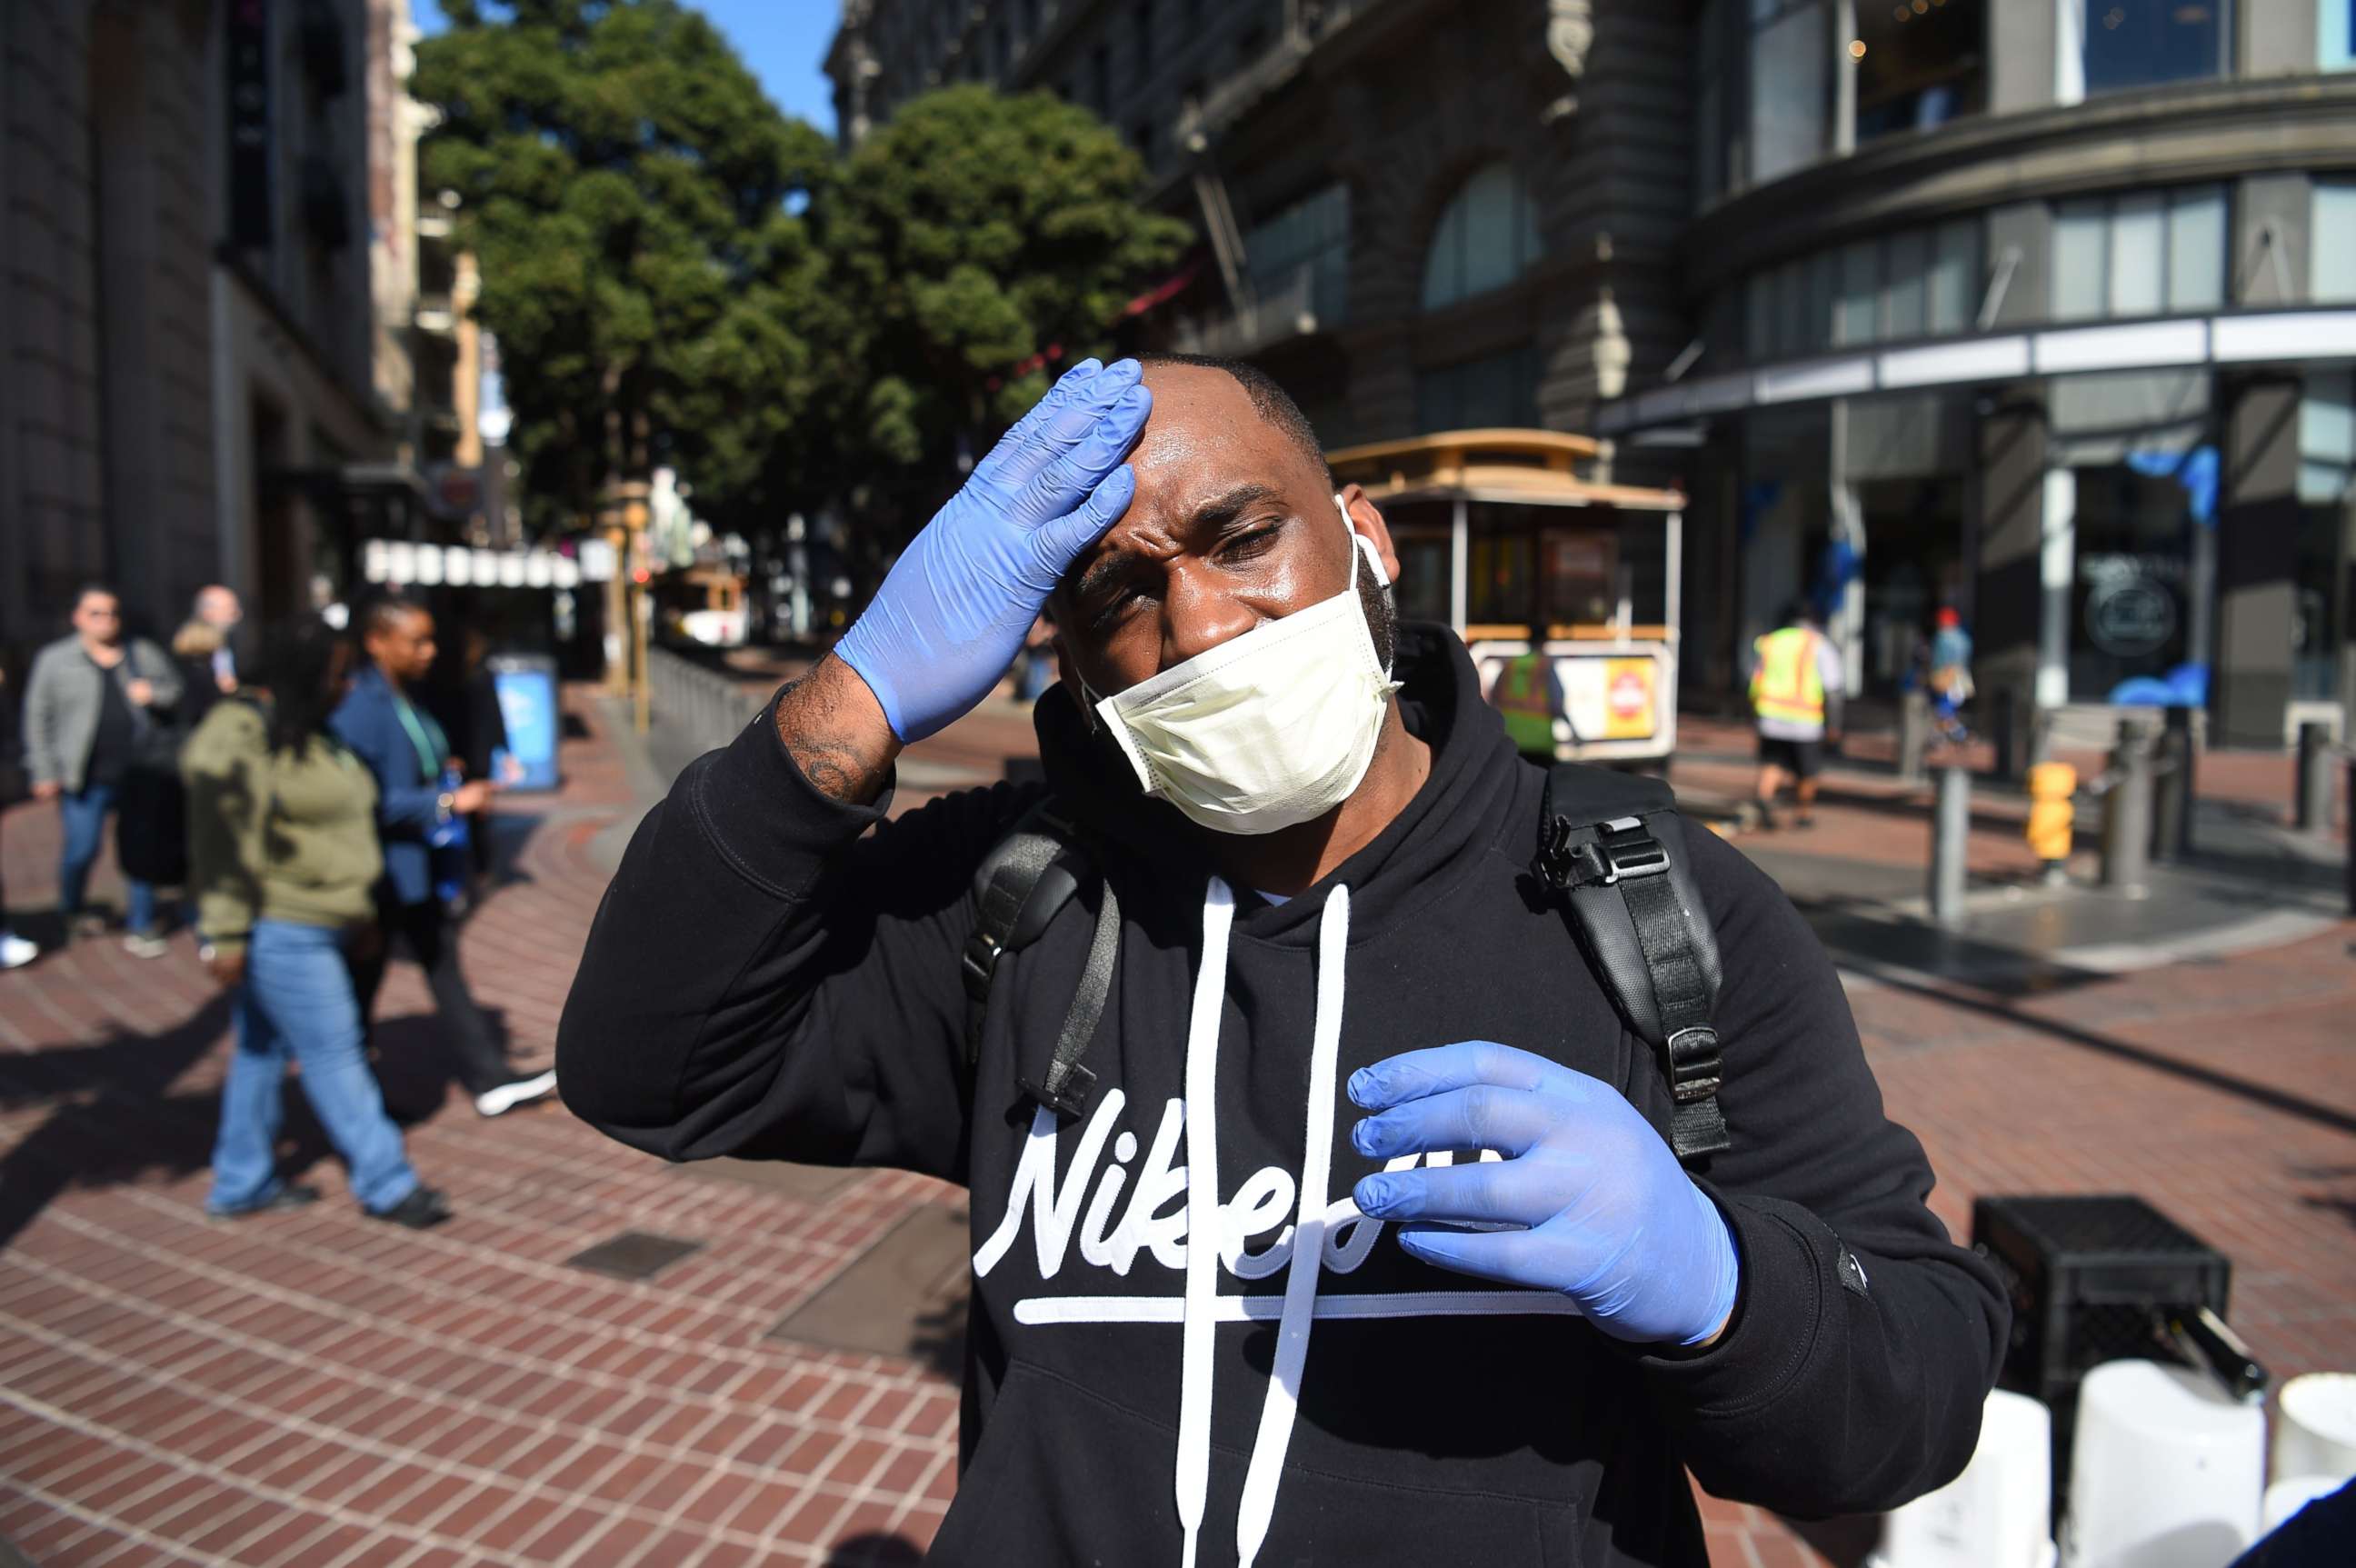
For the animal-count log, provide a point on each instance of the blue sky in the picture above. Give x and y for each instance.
(782, 41)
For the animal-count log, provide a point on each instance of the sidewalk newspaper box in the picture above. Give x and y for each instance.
(1500, 536)
(526, 683)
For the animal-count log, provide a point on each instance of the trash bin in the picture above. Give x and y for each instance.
(2166, 1471)
(1996, 1513)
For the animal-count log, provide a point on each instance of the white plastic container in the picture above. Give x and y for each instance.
(2166, 1471)
(1993, 1514)
(2315, 1429)
(2285, 1498)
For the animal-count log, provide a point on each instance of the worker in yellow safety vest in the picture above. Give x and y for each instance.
(1528, 694)
(1795, 689)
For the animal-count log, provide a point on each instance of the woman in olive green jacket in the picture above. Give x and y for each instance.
(283, 856)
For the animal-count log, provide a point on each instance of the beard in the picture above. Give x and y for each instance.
(1376, 599)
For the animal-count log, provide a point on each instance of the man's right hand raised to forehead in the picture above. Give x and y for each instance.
(951, 615)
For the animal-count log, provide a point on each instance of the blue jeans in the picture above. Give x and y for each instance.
(84, 812)
(297, 1002)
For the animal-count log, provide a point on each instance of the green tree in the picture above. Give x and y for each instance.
(988, 240)
(637, 207)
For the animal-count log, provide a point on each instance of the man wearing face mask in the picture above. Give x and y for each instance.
(1354, 1235)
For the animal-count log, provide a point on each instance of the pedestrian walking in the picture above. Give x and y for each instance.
(217, 609)
(208, 659)
(93, 707)
(16, 952)
(468, 712)
(421, 806)
(283, 828)
(1329, 1201)
(1528, 694)
(1951, 674)
(1795, 692)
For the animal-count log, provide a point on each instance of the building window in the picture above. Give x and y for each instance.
(1790, 55)
(2335, 35)
(1500, 390)
(1303, 250)
(2331, 243)
(1487, 237)
(2145, 254)
(1709, 107)
(2115, 45)
(1143, 17)
(1919, 63)
(1100, 76)
(1920, 283)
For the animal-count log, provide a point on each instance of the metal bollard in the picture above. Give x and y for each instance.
(1951, 827)
(2314, 778)
(2127, 813)
(1914, 734)
(2171, 809)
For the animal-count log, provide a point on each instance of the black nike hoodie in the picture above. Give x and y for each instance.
(769, 977)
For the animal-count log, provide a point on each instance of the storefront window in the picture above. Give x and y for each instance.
(2326, 488)
(2129, 608)
(2140, 254)
(2115, 45)
(1923, 63)
(1487, 237)
(2331, 242)
(1790, 56)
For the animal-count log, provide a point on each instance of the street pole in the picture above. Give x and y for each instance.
(633, 496)
(617, 603)
(1950, 841)
(2127, 813)
(1914, 734)
(2314, 778)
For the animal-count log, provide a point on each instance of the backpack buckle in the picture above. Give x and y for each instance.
(977, 964)
(1621, 851)
(1695, 1065)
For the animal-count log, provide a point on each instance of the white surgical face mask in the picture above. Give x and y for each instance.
(1268, 729)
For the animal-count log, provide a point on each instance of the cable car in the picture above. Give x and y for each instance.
(1499, 535)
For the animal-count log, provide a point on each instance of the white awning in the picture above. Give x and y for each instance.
(2187, 343)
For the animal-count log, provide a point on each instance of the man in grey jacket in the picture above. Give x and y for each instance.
(93, 708)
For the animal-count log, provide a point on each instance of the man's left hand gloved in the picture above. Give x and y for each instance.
(1598, 1207)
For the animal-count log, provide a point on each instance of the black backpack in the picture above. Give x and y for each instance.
(1604, 858)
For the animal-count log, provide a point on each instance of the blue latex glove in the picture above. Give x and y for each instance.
(1596, 1204)
(952, 613)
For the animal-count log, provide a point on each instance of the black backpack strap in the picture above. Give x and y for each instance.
(1021, 886)
(1604, 850)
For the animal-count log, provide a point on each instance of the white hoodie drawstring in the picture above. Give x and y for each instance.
(1195, 1336)
(1202, 1237)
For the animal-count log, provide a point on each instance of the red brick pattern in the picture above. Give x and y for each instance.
(314, 1389)
(310, 1388)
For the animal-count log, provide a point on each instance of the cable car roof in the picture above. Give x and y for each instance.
(1520, 467)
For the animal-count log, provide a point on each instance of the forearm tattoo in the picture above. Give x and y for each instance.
(843, 751)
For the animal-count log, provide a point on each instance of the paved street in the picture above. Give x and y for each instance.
(313, 1389)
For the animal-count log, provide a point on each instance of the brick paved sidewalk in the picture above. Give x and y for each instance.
(316, 1388)
(313, 1389)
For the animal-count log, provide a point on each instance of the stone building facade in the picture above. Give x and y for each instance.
(185, 338)
(106, 448)
(2042, 311)
(1324, 148)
